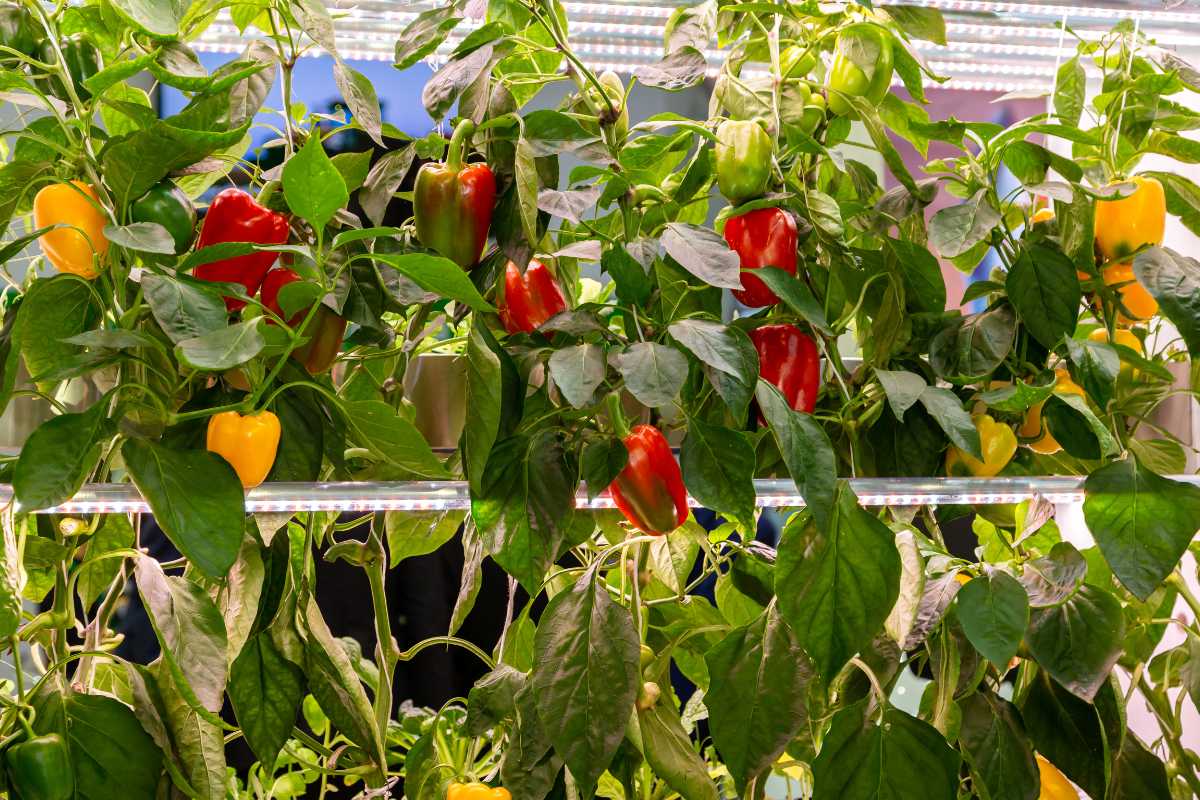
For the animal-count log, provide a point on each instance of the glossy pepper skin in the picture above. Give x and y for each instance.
(764, 237)
(789, 360)
(476, 791)
(40, 769)
(1128, 223)
(453, 202)
(998, 443)
(82, 60)
(649, 491)
(1137, 304)
(235, 216)
(79, 247)
(1033, 424)
(324, 332)
(248, 443)
(530, 299)
(743, 159)
(1054, 785)
(167, 205)
(847, 78)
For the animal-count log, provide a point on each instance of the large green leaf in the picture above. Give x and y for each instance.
(58, 457)
(495, 394)
(956, 229)
(1174, 281)
(1079, 641)
(805, 448)
(901, 758)
(1143, 522)
(155, 17)
(586, 677)
(718, 469)
(994, 611)
(392, 438)
(207, 525)
(654, 373)
(759, 679)
(578, 371)
(1044, 289)
(53, 309)
(185, 309)
(1137, 773)
(995, 745)
(1069, 733)
(266, 691)
(837, 586)
(223, 348)
(312, 185)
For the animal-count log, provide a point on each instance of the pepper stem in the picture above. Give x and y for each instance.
(616, 415)
(459, 143)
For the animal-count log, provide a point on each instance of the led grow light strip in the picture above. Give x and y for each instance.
(418, 496)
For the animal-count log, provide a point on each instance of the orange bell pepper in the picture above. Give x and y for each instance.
(1055, 786)
(248, 443)
(79, 245)
(1134, 297)
(1126, 224)
(476, 791)
(1032, 424)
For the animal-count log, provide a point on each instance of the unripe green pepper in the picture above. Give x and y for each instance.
(40, 769)
(17, 31)
(167, 205)
(814, 114)
(796, 62)
(858, 46)
(743, 156)
(82, 60)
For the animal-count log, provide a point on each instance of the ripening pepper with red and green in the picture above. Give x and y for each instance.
(235, 216)
(324, 332)
(452, 202)
(649, 491)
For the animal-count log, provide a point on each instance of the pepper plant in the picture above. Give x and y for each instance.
(273, 342)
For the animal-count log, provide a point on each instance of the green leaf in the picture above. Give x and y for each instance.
(154, 17)
(586, 677)
(197, 739)
(805, 448)
(1137, 773)
(143, 237)
(414, 534)
(359, 93)
(526, 504)
(956, 229)
(223, 348)
(994, 612)
(52, 310)
(1142, 522)
(425, 33)
(1080, 432)
(902, 388)
(1096, 366)
(628, 273)
(111, 755)
(1068, 732)
(392, 438)
(1070, 88)
(836, 586)
(578, 371)
(718, 469)
(996, 746)
(96, 573)
(945, 407)
(1052, 578)
(972, 348)
(760, 679)
(901, 758)
(603, 459)
(719, 346)
(206, 526)
(654, 373)
(58, 456)
(266, 691)
(1018, 398)
(704, 253)
(796, 295)
(336, 686)
(190, 630)
(1079, 641)
(919, 22)
(312, 185)
(494, 394)
(670, 753)
(184, 308)
(1044, 289)
(1174, 281)
(438, 275)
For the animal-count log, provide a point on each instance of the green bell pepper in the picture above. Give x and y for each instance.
(167, 205)
(82, 59)
(17, 31)
(40, 769)
(743, 156)
(860, 47)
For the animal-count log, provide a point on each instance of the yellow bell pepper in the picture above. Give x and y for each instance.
(998, 443)
(1055, 786)
(1126, 224)
(1140, 304)
(1032, 424)
(79, 246)
(476, 791)
(248, 443)
(1042, 215)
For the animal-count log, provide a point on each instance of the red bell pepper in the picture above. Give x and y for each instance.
(529, 299)
(452, 202)
(324, 331)
(765, 237)
(649, 490)
(234, 216)
(787, 358)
